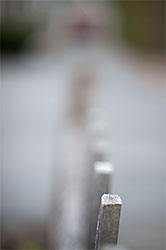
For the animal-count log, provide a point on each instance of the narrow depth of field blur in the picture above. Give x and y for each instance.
(68, 67)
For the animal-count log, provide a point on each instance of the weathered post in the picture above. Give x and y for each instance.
(101, 184)
(108, 220)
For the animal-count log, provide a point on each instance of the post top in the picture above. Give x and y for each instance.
(110, 199)
(103, 167)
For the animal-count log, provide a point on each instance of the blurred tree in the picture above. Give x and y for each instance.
(144, 24)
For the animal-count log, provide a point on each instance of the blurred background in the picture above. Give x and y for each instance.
(122, 43)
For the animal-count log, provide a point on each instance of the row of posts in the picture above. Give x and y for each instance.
(106, 207)
(98, 203)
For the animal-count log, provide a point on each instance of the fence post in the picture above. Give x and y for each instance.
(108, 220)
(101, 184)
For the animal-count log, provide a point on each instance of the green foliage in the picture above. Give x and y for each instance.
(13, 36)
(29, 246)
(144, 23)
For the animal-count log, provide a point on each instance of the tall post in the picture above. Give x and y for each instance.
(108, 220)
